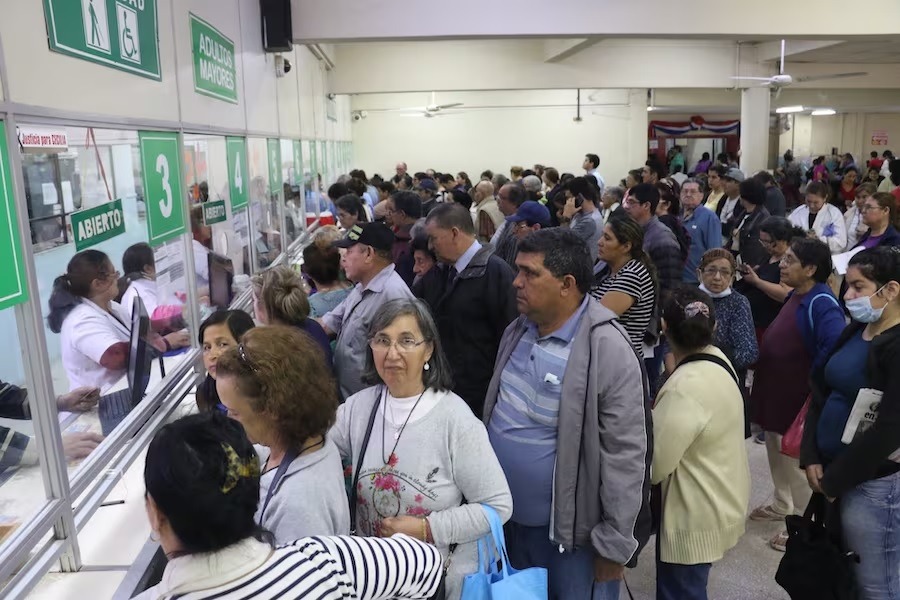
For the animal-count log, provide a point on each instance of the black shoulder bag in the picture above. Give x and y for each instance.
(359, 462)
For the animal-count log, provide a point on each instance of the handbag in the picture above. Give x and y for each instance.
(815, 567)
(793, 437)
(491, 582)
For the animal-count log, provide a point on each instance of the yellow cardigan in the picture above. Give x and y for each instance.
(700, 458)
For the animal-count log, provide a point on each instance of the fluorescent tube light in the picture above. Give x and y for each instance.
(789, 109)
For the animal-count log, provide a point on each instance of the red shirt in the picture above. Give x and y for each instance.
(847, 195)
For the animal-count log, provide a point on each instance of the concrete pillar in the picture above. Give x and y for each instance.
(637, 127)
(754, 129)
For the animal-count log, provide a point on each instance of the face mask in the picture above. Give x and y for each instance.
(724, 294)
(861, 309)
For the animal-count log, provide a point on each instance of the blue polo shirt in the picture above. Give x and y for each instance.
(523, 426)
(705, 230)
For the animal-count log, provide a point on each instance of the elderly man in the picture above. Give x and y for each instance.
(531, 216)
(427, 189)
(401, 172)
(488, 217)
(701, 224)
(568, 415)
(471, 298)
(367, 260)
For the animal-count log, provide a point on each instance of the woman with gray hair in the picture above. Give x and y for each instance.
(422, 461)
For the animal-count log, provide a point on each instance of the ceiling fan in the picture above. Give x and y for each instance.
(782, 79)
(432, 110)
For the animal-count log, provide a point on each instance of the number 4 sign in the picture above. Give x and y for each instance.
(238, 176)
(163, 192)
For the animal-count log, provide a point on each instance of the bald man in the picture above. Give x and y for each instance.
(401, 172)
(487, 214)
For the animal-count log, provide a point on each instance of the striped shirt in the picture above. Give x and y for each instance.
(523, 426)
(634, 280)
(320, 568)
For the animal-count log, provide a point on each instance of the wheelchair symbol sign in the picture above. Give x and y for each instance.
(129, 40)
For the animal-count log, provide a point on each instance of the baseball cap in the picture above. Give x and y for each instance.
(377, 235)
(533, 212)
(735, 174)
(428, 184)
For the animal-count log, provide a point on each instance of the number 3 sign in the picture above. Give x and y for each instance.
(163, 193)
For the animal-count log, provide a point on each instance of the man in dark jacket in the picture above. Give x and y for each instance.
(404, 209)
(471, 298)
(660, 242)
(775, 201)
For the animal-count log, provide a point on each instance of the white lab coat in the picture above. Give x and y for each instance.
(87, 332)
(828, 220)
(146, 290)
(201, 264)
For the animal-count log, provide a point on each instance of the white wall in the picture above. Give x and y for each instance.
(497, 130)
(848, 132)
(285, 107)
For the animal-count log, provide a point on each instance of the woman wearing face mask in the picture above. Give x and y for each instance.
(220, 331)
(859, 474)
(822, 220)
(734, 335)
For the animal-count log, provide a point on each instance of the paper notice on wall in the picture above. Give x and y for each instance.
(48, 192)
(654, 145)
(880, 137)
(68, 199)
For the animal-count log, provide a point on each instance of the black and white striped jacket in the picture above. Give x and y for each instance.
(320, 568)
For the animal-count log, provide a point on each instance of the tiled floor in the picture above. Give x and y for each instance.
(748, 571)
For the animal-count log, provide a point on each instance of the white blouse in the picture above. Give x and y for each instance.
(87, 332)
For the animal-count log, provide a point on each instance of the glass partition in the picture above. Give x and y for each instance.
(84, 199)
(22, 490)
(265, 205)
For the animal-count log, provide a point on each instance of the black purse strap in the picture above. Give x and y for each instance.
(713, 359)
(359, 462)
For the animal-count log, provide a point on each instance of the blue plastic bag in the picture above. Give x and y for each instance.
(505, 583)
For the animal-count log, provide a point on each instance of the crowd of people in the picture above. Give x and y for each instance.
(589, 360)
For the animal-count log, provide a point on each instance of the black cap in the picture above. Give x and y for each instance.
(377, 235)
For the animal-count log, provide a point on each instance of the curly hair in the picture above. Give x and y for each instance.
(280, 291)
(282, 372)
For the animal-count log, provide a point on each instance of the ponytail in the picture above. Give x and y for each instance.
(61, 303)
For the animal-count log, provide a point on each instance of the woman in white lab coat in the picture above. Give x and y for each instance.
(821, 218)
(95, 329)
(139, 266)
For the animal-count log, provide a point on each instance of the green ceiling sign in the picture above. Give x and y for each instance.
(122, 34)
(215, 73)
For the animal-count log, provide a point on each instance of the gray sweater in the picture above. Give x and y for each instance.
(441, 458)
(310, 499)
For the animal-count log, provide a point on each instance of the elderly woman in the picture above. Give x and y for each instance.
(422, 462)
(798, 340)
(279, 298)
(202, 480)
(699, 455)
(276, 384)
(821, 219)
(735, 334)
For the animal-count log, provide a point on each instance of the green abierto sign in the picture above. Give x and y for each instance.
(122, 34)
(12, 284)
(163, 189)
(238, 172)
(275, 182)
(98, 224)
(214, 212)
(215, 73)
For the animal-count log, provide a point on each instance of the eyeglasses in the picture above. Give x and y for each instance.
(382, 343)
(766, 242)
(868, 207)
(788, 260)
(712, 272)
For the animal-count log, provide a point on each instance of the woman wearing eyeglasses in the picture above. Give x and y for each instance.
(879, 214)
(421, 460)
(276, 384)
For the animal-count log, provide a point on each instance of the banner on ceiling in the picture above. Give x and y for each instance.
(697, 125)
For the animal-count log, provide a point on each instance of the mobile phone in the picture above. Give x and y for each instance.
(579, 200)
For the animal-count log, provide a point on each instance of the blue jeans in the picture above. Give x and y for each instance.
(870, 516)
(571, 574)
(681, 582)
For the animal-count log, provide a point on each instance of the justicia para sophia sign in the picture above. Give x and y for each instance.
(215, 73)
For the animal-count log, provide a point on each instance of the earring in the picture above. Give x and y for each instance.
(427, 366)
(154, 536)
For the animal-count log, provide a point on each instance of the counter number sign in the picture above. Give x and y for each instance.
(238, 173)
(12, 284)
(163, 188)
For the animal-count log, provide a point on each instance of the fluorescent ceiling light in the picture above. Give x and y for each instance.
(824, 112)
(789, 109)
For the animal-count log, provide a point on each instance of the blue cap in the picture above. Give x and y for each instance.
(532, 212)
(427, 184)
